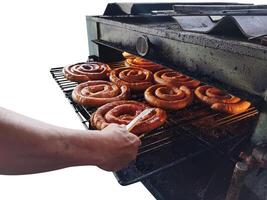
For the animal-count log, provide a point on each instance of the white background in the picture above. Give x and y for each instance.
(35, 36)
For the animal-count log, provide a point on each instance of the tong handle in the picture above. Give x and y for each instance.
(131, 125)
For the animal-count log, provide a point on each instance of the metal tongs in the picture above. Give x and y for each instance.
(139, 117)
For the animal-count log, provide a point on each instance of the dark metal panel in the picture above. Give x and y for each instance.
(101, 52)
(167, 28)
(92, 33)
(260, 137)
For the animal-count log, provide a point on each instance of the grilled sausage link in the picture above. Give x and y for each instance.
(220, 100)
(123, 112)
(128, 55)
(173, 78)
(232, 108)
(137, 79)
(167, 97)
(82, 72)
(97, 93)
(142, 63)
(211, 95)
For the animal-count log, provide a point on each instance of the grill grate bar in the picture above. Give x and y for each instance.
(198, 111)
(170, 137)
(162, 143)
(231, 116)
(234, 119)
(217, 144)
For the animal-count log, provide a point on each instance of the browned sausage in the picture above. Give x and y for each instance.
(127, 55)
(82, 72)
(137, 79)
(232, 108)
(123, 112)
(174, 78)
(211, 95)
(97, 93)
(142, 63)
(167, 97)
(220, 100)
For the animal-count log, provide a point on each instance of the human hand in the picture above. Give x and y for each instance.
(118, 147)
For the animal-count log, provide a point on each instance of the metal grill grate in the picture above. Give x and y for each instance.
(186, 134)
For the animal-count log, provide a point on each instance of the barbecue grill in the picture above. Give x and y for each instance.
(193, 155)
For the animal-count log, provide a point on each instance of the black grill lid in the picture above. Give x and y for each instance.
(250, 26)
(223, 10)
(114, 9)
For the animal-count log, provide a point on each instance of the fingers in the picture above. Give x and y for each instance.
(121, 130)
(133, 138)
(121, 148)
(122, 126)
(117, 126)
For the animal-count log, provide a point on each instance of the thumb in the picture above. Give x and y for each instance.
(134, 138)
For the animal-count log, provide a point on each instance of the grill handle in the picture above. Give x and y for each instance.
(142, 45)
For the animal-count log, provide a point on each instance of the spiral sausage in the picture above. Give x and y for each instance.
(136, 79)
(173, 78)
(142, 63)
(123, 112)
(82, 72)
(97, 93)
(220, 100)
(167, 97)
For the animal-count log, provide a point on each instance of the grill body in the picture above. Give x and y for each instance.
(193, 155)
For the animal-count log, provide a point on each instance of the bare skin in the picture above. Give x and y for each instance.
(30, 146)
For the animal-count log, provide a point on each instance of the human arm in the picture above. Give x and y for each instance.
(30, 146)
